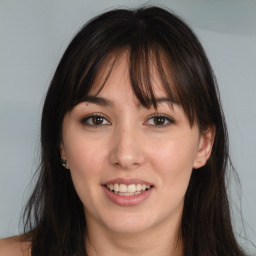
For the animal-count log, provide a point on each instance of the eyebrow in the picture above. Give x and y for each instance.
(108, 103)
(160, 100)
(98, 101)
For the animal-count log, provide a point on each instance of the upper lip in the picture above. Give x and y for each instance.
(127, 181)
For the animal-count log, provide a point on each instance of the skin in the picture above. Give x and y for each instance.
(13, 246)
(127, 143)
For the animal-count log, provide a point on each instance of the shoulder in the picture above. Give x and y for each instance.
(14, 246)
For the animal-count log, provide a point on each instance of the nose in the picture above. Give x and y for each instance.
(127, 149)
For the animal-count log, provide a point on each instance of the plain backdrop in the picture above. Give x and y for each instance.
(33, 37)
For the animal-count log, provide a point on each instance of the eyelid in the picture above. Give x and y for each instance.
(168, 118)
(87, 117)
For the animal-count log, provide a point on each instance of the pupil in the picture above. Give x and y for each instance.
(159, 120)
(97, 120)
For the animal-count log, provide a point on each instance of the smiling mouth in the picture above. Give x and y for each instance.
(128, 190)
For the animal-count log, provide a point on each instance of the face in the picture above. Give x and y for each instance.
(131, 165)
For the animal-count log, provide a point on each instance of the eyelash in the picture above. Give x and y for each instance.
(85, 120)
(166, 119)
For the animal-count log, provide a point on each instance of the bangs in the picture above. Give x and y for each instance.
(146, 64)
(162, 48)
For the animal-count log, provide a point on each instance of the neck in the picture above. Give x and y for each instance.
(163, 240)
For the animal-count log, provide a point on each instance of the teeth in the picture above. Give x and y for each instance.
(127, 194)
(116, 187)
(122, 188)
(111, 187)
(138, 187)
(131, 188)
(127, 190)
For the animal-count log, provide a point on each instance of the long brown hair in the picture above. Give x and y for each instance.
(54, 217)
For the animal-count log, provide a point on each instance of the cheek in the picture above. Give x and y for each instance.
(85, 163)
(174, 161)
(85, 168)
(84, 154)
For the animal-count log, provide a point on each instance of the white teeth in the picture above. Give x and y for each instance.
(131, 188)
(116, 187)
(122, 188)
(127, 194)
(123, 194)
(111, 187)
(128, 190)
(143, 187)
(138, 187)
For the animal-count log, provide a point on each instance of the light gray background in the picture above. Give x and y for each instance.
(33, 37)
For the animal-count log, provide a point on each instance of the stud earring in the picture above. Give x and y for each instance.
(63, 162)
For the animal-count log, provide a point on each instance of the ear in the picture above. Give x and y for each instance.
(204, 147)
(63, 155)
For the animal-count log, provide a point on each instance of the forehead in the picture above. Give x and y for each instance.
(145, 77)
(115, 77)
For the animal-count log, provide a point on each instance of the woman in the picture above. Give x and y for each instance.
(134, 146)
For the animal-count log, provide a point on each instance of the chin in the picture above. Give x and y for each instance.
(129, 223)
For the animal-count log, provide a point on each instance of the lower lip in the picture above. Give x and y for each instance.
(127, 200)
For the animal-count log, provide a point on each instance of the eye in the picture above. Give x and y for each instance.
(95, 120)
(159, 120)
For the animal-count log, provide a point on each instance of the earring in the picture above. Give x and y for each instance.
(63, 162)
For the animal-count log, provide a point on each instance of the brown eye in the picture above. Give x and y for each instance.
(95, 120)
(159, 120)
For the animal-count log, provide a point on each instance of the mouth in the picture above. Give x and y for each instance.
(128, 190)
